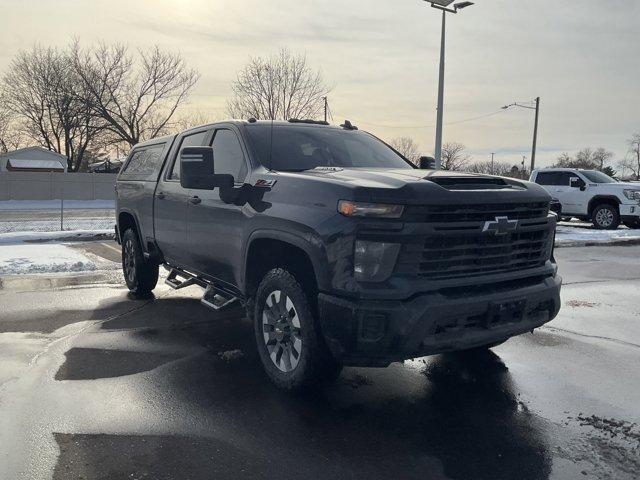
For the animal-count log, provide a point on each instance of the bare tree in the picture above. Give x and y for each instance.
(136, 100)
(192, 119)
(11, 138)
(632, 162)
(493, 168)
(407, 147)
(279, 87)
(586, 158)
(48, 103)
(454, 156)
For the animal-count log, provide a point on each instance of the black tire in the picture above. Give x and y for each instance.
(140, 275)
(633, 224)
(605, 217)
(289, 343)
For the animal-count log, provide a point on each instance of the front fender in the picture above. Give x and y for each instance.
(305, 239)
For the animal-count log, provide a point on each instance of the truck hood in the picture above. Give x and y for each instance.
(413, 186)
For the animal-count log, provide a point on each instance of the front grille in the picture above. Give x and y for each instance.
(472, 213)
(468, 254)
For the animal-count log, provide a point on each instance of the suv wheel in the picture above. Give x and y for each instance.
(141, 276)
(605, 217)
(292, 352)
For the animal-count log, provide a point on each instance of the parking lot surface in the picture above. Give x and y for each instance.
(96, 384)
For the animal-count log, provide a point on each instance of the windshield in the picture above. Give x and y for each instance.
(597, 177)
(303, 147)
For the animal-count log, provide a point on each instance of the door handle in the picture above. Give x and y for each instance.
(195, 200)
(160, 195)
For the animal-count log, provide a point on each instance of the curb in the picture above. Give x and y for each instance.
(44, 282)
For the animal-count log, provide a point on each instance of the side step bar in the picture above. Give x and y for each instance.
(214, 297)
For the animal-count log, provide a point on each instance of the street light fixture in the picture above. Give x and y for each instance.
(535, 126)
(444, 6)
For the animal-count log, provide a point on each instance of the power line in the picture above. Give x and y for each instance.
(427, 126)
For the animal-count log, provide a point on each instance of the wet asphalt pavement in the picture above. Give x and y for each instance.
(95, 384)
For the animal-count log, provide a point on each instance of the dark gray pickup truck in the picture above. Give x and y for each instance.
(341, 251)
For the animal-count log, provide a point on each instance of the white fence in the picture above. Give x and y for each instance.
(56, 185)
(32, 201)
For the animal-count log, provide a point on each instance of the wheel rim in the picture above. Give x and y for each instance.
(604, 217)
(281, 331)
(129, 261)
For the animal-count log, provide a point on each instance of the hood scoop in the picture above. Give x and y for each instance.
(472, 183)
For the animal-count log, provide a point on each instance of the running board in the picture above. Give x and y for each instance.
(214, 299)
(174, 282)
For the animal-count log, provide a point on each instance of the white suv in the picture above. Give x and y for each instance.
(592, 195)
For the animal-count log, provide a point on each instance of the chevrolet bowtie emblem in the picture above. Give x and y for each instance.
(500, 226)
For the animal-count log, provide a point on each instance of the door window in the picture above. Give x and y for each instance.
(548, 178)
(227, 155)
(193, 140)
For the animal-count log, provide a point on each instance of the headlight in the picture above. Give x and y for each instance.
(374, 261)
(377, 210)
(632, 194)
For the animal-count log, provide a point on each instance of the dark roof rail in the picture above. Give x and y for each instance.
(308, 120)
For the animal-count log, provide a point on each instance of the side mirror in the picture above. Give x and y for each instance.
(576, 182)
(427, 163)
(197, 170)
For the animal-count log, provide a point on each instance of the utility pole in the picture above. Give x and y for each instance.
(535, 127)
(535, 135)
(443, 5)
(326, 107)
(492, 169)
(438, 152)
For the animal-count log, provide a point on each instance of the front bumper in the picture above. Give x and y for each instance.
(629, 211)
(376, 333)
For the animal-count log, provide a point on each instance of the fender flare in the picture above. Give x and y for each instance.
(135, 222)
(602, 199)
(310, 245)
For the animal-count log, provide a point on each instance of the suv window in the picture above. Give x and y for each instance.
(193, 140)
(564, 179)
(145, 160)
(547, 178)
(227, 155)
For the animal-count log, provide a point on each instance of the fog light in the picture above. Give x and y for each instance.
(373, 327)
(374, 261)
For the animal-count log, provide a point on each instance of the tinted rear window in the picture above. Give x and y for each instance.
(302, 147)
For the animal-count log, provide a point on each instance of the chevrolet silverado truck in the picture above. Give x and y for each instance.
(339, 249)
(592, 196)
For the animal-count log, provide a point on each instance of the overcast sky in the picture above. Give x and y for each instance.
(381, 56)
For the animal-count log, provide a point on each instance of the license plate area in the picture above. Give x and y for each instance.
(501, 313)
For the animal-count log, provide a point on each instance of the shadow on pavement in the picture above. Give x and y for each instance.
(456, 416)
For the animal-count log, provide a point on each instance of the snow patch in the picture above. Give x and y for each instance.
(66, 235)
(30, 259)
(21, 205)
(567, 236)
(231, 355)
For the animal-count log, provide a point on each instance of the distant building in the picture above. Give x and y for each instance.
(33, 159)
(106, 166)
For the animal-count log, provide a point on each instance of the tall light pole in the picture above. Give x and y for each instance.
(535, 126)
(444, 6)
(492, 170)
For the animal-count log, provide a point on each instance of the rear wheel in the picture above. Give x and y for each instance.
(140, 275)
(605, 217)
(288, 340)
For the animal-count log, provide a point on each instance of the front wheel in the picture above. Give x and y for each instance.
(288, 340)
(605, 217)
(140, 275)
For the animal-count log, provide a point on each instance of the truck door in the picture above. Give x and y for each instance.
(170, 205)
(215, 226)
